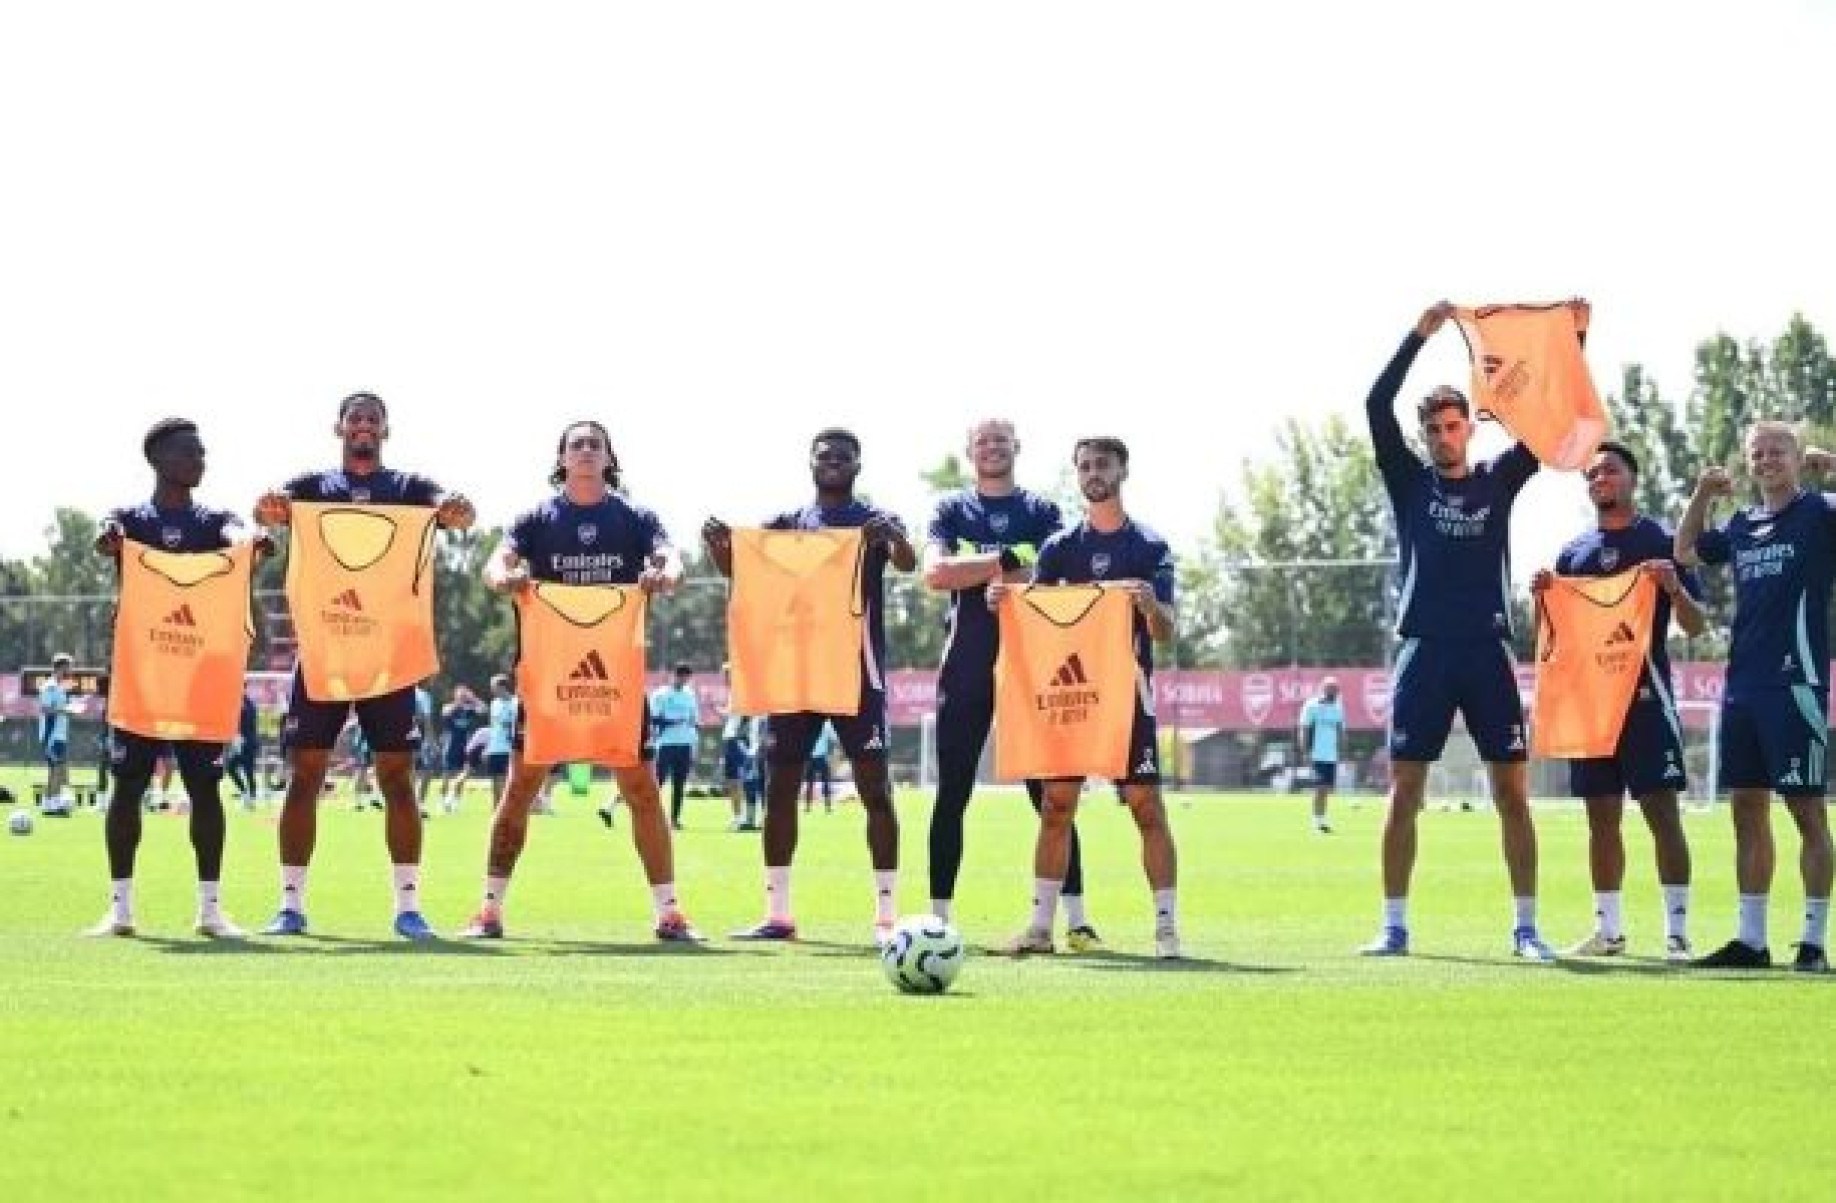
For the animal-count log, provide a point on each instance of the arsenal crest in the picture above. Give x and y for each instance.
(998, 523)
(588, 532)
(1099, 564)
(170, 537)
(1258, 696)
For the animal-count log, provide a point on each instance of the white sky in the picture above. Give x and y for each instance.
(719, 227)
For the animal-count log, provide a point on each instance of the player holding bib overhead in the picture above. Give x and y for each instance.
(388, 721)
(1452, 531)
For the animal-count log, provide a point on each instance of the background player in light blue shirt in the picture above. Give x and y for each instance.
(675, 720)
(54, 732)
(502, 737)
(1322, 722)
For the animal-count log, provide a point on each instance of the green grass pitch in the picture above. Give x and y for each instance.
(578, 1060)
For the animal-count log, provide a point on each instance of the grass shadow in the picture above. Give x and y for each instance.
(1129, 962)
(648, 948)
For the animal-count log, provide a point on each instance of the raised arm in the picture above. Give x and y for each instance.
(1713, 484)
(1391, 448)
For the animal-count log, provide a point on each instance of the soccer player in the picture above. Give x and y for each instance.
(459, 718)
(990, 531)
(388, 721)
(243, 751)
(586, 533)
(675, 718)
(501, 726)
(835, 463)
(427, 756)
(818, 773)
(1453, 523)
(54, 733)
(1648, 762)
(1322, 724)
(1111, 547)
(1775, 703)
(171, 521)
(735, 750)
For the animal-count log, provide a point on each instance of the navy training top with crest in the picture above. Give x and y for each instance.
(1605, 552)
(1081, 554)
(1453, 535)
(873, 572)
(188, 528)
(985, 524)
(602, 544)
(385, 486)
(1783, 565)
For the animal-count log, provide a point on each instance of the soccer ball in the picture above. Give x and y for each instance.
(923, 955)
(19, 822)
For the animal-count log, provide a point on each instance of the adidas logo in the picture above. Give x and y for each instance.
(348, 600)
(1071, 672)
(1147, 767)
(875, 743)
(590, 668)
(181, 617)
(1792, 778)
(1621, 634)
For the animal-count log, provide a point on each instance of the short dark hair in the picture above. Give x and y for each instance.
(1444, 397)
(1623, 452)
(345, 406)
(835, 434)
(684, 669)
(62, 660)
(162, 430)
(612, 473)
(1102, 442)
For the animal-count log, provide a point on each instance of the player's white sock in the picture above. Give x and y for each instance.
(1816, 921)
(1166, 909)
(777, 892)
(941, 908)
(1074, 910)
(208, 899)
(1045, 903)
(1752, 930)
(407, 888)
(1608, 915)
(1396, 913)
(885, 895)
(121, 899)
(663, 899)
(1676, 911)
(1524, 907)
(497, 889)
(293, 888)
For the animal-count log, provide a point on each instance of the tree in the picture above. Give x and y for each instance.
(75, 590)
(1316, 498)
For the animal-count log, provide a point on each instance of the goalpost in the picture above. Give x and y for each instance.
(1701, 750)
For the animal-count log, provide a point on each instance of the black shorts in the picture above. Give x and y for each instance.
(128, 752)
(790, 737)
(389, 722)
